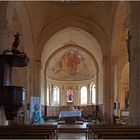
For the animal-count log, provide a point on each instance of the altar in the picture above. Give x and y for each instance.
(70, 116)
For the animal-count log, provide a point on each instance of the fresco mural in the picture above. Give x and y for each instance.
(70, 64)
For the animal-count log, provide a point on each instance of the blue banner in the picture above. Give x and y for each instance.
(35, 107)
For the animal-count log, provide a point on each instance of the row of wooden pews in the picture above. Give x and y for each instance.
(113, 131)
(28, 132)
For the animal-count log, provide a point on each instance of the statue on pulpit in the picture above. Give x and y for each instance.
(16, 43)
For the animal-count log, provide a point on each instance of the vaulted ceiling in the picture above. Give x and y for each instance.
(42, 14)
(88, 24)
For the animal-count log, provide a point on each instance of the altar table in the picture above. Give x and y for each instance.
(70, 116)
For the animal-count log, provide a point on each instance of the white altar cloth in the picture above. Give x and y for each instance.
(64, 114)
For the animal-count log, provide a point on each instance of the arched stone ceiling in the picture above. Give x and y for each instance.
(45, 12)
(71, 63)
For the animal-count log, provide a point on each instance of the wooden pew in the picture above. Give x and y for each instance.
(115, 135)
(92, 128)
(29, 131)
(21, 135)
(120, 137)
(113, 131)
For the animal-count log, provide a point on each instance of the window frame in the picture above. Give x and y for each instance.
(55, 102)
(81, 98)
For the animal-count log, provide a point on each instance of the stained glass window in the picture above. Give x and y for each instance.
(70, 94)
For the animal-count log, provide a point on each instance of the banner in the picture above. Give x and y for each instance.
(35, 105)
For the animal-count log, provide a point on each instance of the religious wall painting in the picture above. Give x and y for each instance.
(71, 64)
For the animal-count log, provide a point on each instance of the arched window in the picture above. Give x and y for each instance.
(94, 94)
(83, 95)
(70, 94)
(55, 96)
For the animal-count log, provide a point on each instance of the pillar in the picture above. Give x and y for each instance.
(134, 54)
(36, 78)
(107, 90)
(4, 30)
(109, 87)
(112, 87)
(89, 94)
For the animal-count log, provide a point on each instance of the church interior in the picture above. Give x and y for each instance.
(69, 66)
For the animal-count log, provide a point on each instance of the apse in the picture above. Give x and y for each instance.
(71, 64)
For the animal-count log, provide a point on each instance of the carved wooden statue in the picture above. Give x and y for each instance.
(16, 43)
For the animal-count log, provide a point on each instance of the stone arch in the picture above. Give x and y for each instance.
(90, 44)
(76, 22)
(119, 46)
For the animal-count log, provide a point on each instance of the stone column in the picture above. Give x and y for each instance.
(134, 50)
(27, 96)
(112, 87)
(134, 85)
(36, 78)
(88, 94)
(97, 89)
(4, 30)
(134, 80)
(107, 90)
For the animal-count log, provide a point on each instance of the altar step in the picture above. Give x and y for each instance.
(76, 122)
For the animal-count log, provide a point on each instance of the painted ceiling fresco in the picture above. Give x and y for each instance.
(71, 64)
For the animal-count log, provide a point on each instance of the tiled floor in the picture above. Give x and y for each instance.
(79, 136)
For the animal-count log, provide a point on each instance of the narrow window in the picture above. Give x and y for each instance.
(83, 95)
(55, 97)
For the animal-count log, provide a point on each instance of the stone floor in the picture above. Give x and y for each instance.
(70, 131)
(79, 136)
